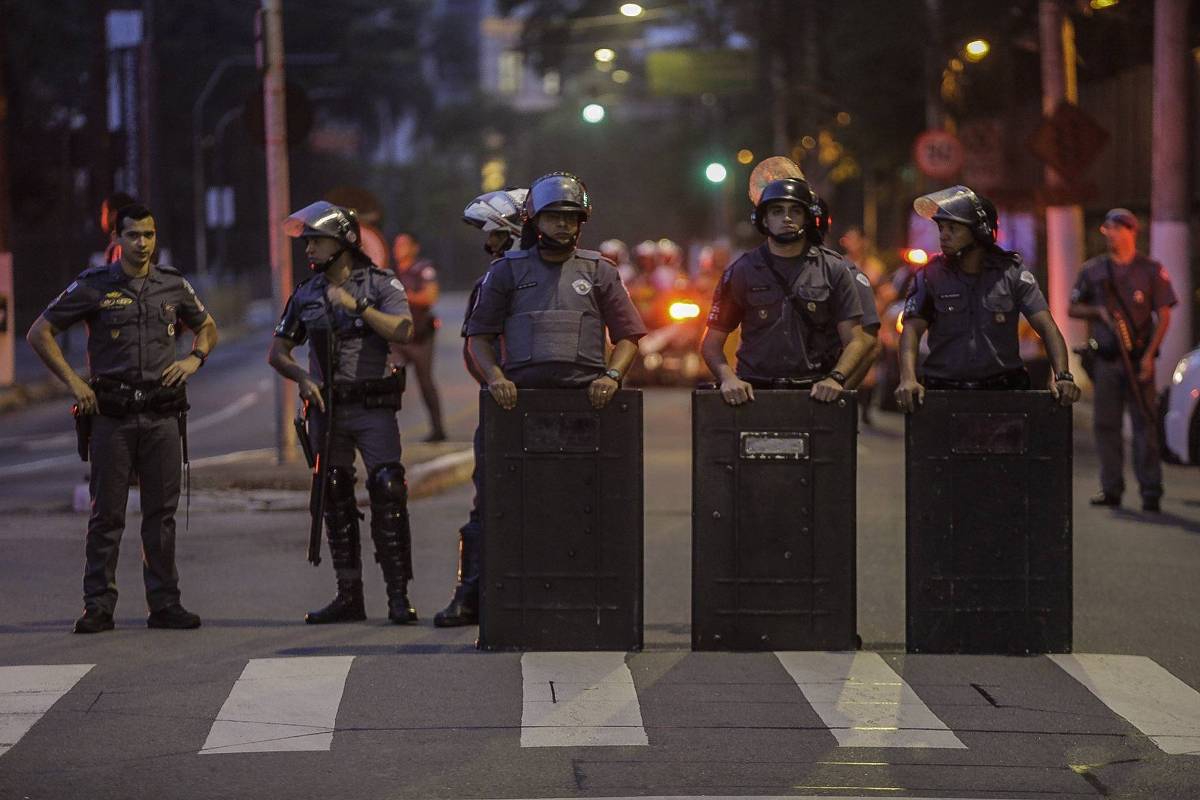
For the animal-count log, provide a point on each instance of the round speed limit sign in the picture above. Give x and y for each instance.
(938, 154)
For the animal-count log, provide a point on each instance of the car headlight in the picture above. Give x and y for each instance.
(1180, 369)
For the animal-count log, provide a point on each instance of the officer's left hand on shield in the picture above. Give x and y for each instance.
(338, 296)
(601, 391)
(1065, 392)
(180, 371)
(826, 391)
(505, 393)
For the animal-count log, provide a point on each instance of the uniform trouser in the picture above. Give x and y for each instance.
(471, 533)
(371, 431)
(420, 355)
(1113, 394)
(148, 444)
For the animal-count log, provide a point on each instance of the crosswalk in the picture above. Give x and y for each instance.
(591, 700)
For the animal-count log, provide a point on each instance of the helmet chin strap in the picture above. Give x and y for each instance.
(957, 255)
(786, 238)
(550, 243)
(321, 266)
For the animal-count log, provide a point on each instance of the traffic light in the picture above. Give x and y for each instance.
(593, 113)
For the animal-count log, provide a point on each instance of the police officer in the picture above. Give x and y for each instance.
(349, 312)
(552, 303)
(968, 298)
(133, 405)
(420, 282)
(1126, 299)
(498, 214)
(796, 304)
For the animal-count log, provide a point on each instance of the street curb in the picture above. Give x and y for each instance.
(425, 479)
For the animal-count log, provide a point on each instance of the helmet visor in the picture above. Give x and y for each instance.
(770, 170)
(321, 218)
(956, 204)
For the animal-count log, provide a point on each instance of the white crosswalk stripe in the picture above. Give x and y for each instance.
(1153, 700)
(578, 700)
(28, 692)
(864, 702)
(281, 704)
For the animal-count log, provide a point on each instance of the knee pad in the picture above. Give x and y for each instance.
(340, 486)
(386, 484)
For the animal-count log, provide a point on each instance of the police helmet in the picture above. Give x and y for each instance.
(796, 189)
(558, 191)
(499, 210)
(324, 219)
(961, 204)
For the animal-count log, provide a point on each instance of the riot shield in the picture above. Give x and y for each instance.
(988, 487)
(773, 522)
(562, 544)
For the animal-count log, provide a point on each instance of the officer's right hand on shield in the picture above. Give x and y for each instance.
(734, 390)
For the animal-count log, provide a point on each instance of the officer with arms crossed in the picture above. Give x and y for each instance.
(348, 313)
(134, 405)
(1126, 299)
(796, 303)
(498, 214)
(968, 299)
(552, 304)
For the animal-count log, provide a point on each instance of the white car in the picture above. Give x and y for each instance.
(1180, 414)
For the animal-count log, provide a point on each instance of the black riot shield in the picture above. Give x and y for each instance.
(562, 503)
(988, 485)
(773, 522)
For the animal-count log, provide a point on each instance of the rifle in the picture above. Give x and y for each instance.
(1126, 345)
(320, 468)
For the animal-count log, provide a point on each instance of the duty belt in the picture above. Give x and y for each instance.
(118, 399)
(1016, 379)
(375, 393)
(783, 383)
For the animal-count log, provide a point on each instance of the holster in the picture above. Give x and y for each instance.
(301, 425)
(374, 393)
(83, 432)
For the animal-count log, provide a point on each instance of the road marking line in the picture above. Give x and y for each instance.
(1153, 700)
(579, 700)
(864, 702)
(281, 704)
(38, 466)
(228, 412)
(28, 692)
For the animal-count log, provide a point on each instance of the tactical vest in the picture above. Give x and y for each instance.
(554, 315)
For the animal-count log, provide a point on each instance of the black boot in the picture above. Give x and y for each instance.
(346, 607)
(464, 606)
(345, 550)
(392, 536)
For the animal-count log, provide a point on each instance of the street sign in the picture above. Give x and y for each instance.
(1069, 141)
(984, 167)
(939, 154)
(693, 72)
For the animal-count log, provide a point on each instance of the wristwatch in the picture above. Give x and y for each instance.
(362, 304)
(200, 354)
(615, 374)
(837, 376)
(1064, 376)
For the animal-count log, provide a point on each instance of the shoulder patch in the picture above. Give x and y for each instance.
(581, 286)
(863, 279)
(396, 284)
(1027, 277)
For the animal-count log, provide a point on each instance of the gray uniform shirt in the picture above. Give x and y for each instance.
(973, 318)
(361, 352)
(1142, 287)
(131, 323)
(553, 316)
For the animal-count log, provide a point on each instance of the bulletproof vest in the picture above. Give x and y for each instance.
(973, 334)
(554, 315)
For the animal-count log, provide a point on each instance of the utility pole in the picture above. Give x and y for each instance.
(935, 62)
(8, 322)
(1064, 223)
(1169, 168)
(278, 201)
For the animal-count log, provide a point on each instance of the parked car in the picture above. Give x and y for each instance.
(1179, 409)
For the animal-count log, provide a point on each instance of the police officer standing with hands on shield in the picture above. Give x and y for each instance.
(132, 411)
(1126, 299)
(795, 301)
(498, 214)
(552, 304)
(968, 299)
(349, 312)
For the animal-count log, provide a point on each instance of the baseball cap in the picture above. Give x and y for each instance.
(1122, 216)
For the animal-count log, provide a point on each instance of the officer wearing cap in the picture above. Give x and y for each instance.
(968, 299)
(552, 303)
(348, 312)
(133, 405)
(1126, 299)
(498, 214)
(795, 301)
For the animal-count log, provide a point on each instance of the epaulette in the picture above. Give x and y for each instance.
(590, 255)
(513, 254)
(91, 272)
(167, 269)
(829, 251)
(382, 272)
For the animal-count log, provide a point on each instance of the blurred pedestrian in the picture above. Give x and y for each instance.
(420, 281)
(1126, 299)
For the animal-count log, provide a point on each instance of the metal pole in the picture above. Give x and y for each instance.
(278, 204)
(1064, 224)
(935, 62)
(1169, 168)
(8, 309)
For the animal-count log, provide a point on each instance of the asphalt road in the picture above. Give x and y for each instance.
(417, 712)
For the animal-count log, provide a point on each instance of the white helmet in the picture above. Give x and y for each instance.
(500, 210)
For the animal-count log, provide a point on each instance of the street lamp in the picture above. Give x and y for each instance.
(605, 55)
(976, 50)
(593, 113)
(715, 172)
(631, 10)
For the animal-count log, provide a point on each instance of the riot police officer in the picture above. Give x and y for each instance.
(968, 299)
(1126, 299)
(796, 304)
(349, 312)
(132, 408)
(552, 303)
(498, 214)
